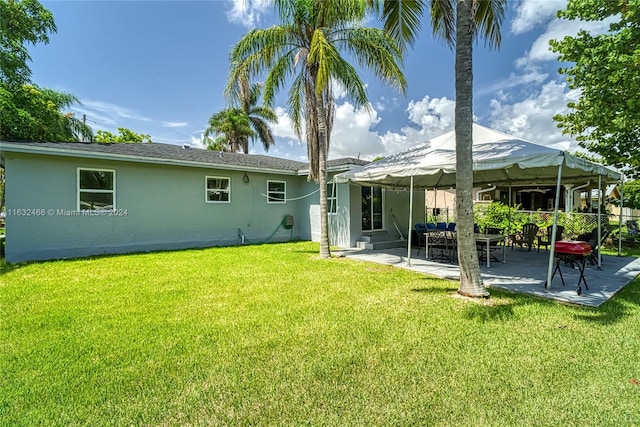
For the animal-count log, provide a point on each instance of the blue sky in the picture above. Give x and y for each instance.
(159, 67)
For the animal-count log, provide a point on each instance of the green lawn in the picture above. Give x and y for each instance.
(272, 335)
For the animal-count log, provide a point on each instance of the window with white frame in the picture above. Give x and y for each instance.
(96, 189)
(276, 192)
(332, 199)
(218, 189)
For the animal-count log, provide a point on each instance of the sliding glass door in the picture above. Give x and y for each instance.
(371, 208)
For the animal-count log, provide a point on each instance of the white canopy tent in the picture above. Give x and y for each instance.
(498, 159)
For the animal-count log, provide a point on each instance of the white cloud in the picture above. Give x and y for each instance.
(354, 133)
(174, 124)
(354, 136)
(247, 12)
(284, 127)
(432, 115)
(532, 118)
(112, 111)
(197, 138)
(530, 75)
(558, 29)
(338, 90)
(531, 13)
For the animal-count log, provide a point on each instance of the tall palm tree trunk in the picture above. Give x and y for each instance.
(470, 279)
(245, 144)
(323, 138)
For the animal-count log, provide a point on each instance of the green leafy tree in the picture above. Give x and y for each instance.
(231, 128)
(124, 135)
(29, 112)
(22, 22)
(606, 117)
(458, 23)
(312, 46)
(631, 194)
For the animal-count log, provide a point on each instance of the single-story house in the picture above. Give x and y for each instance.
(66, 200)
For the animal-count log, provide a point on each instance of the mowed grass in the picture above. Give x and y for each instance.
(273, 335)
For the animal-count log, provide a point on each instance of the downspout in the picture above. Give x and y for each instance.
(410, 223)
(554, 228)
(579, 187)
(568, 198)
(493, 187)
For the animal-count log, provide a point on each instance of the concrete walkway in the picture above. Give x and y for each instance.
(524, 272)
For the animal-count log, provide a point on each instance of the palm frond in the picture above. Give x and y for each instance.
(263, 132)
(402, 19)
(277, 77)
(487, 19)
(322, 55)
(296, 103)
(263, 112)
(443, 21)
(80, 130)
(376, 50)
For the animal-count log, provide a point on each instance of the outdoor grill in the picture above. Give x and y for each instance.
(572, 252)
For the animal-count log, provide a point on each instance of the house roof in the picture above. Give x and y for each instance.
(173, 155)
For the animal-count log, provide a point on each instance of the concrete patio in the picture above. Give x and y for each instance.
(523, 272)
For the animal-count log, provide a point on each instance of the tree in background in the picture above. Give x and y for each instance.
(606, 117)
(124, 135)
(311, 45)
(231, 128)
(29, 112)
(21, 23)
(631, 194)
(245, 96)
(244, 120)
(458, 23)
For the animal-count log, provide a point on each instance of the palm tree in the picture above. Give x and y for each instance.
(46, 122)
(243, 120)
(232, 127)
(245, 96)
(308, 46)
(457, 22)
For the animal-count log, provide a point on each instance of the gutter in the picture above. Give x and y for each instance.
(493, 187)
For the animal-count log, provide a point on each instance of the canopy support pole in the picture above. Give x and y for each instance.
(620, 217)
(554, 228)
(410, 222)
(435, 201)
(599, 222)
(508, 230)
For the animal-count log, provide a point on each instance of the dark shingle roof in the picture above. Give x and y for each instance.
(173, 154)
